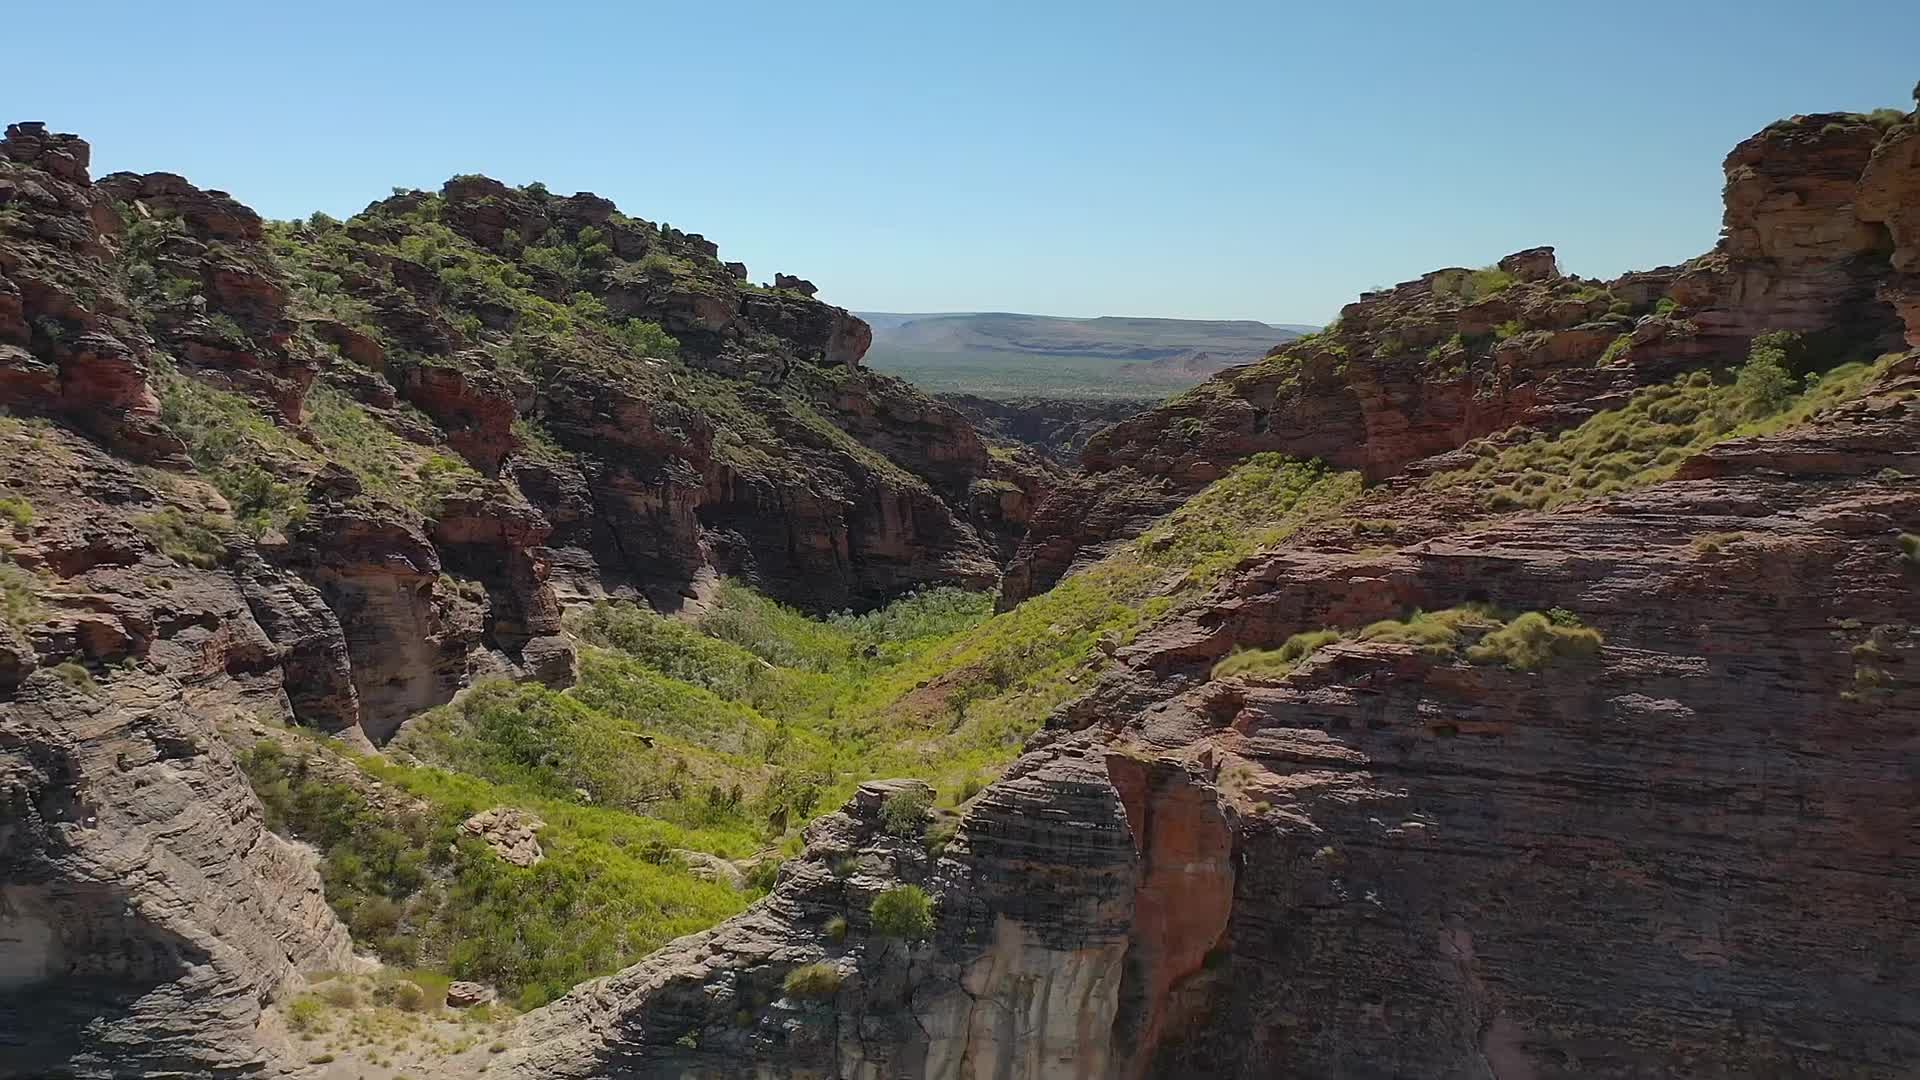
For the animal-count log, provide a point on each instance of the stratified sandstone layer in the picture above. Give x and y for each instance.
(162, 601)
(1817, 240)
(1692, 855)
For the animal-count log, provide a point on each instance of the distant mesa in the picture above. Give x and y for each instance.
(1224, 342)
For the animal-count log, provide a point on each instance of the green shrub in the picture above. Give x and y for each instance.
(192, 539)
(590, 907)
(1276, 662)
(1764, 385)
(905, 911)
(1910, 547)
(905, 813)
(306, 1013)
(1472, 286)
(646, 339)
(17, 511)
(1435, 632)
(75, 675)
(814, 982)
(19, 594)
(1531, 640)
(836, 929)
(1617, 348)
(408, 997)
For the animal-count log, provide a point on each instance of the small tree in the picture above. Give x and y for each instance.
(903, 912)
(905, 813)
(1765, 384)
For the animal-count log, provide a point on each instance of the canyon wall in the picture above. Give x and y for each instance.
(1428, 365)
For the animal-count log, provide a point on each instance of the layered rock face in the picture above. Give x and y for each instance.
(146, 913)
(1816, 208)
(1689, 855)
(255, 474)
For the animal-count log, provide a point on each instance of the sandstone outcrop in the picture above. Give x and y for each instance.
(1815, 209)
(263, 473)
(1687, 854)
(146, 913)
(1689, 849)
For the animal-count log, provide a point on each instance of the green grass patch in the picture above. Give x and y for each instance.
(812, 982)
(19, 594)
(421, 893)
(1525, 642)
(1533, 640)
(1644, 442)
(192, 539)
(1274, 663)
(1256, 505)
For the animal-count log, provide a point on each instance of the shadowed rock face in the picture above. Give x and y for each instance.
(1817, 239)
(146, 912)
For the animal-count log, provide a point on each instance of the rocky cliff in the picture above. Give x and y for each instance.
(329, 474)
(1666, 831)
(1816, 208)
(1557, 725)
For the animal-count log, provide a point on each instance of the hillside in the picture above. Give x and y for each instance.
(1550, 725)
(1003, 355)
(490, 636)
(1106, 337)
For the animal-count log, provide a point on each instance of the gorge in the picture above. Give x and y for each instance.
(1512, 679)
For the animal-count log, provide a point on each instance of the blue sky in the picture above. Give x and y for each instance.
(1204, 160)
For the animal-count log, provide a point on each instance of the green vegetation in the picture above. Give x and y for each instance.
(19, 599)
(243, 451)
(1526, 642)
(1435, 632)
(1274, 663)
(74, 674)
(193, 539)
(1645, 441)
(812, 982)
(905, 911)
(1910, 547)
(411, 885)
(1256, 505)
(905, 813)
(233, 444)
(725, 735)
(1471, 286)
(17, 511)
(1531, 641)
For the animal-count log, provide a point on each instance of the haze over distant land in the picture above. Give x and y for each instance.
(1000, 354)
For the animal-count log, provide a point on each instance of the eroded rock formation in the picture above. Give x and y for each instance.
(1692, 854)
(257, 474)
(1816, 208)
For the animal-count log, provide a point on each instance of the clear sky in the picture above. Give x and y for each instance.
(1198, 159)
